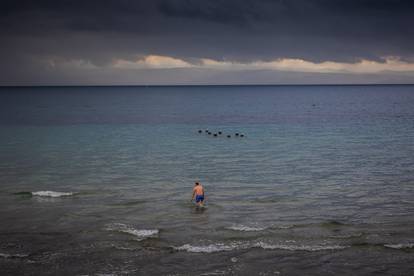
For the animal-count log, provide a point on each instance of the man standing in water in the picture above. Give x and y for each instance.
(198, 193)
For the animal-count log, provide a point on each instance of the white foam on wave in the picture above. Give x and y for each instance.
(218, 247)
(140, 234)
(52, 194)
(400, 245)
(244, 228)
(291, 247)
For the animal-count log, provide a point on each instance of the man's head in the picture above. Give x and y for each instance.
(197, 183)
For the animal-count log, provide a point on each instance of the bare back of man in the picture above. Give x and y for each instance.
(198, 194)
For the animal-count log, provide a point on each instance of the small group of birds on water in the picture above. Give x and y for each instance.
(219, 133)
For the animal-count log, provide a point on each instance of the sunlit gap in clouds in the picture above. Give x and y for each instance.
(391, 64)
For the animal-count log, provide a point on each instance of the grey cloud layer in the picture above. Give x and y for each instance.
(242, 31)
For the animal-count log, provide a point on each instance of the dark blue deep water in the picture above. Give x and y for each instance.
(98, 180)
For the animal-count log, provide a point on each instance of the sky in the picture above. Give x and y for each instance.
(185, 42)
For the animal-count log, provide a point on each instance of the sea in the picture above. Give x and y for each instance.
(299, 180)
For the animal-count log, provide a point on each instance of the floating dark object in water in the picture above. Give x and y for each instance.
(215, 135)
(209, 133)
(206, 131)
(228, 136)
(241, 135)
(237, 134)
(219, 132)
(200, 131)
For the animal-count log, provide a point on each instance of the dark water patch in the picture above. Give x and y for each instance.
(13, 256)
(199, 210)
(33, 233)
(184, 204)
(88, 192)
(23, 195)
(366, 245)
(333, 225)
(34, 244)
(127, 203)
(275, 199)
(212, 205)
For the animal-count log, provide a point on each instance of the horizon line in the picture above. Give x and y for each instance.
(199, 85)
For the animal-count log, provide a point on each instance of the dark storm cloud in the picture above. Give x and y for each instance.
(250, 30)
(44, 16)
(368, 28)
(258, 28)
(281, 16)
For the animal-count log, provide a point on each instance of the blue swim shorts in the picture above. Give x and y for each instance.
(199, 198)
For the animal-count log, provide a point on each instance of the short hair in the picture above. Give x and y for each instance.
(197, 183)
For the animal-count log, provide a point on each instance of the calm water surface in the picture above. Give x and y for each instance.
(97, 180)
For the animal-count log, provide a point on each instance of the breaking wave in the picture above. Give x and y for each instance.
(218, 247)
(400, 245)
(245, 228)
(140, 234)
(52, 194)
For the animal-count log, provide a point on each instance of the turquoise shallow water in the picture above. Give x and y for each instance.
(98, 180)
